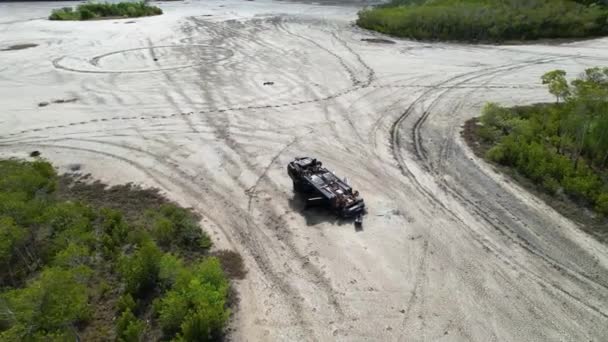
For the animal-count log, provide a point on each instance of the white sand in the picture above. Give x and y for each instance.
(449, 250)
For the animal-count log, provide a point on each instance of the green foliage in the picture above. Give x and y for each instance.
(90, 10)
(30, 179)
(601, 204)
(558, 85)
(195, 308)
(73, 255)
(63, 264)
(65, 13)
(140, 270)
(561, 147)
(486, 20)
(54, 303)
(114, 232)
(172, 310)
(12, 238)
(164, 231)
(126, 303)
(172, 225)
(171, 270)
(129, 328)
(66, 223)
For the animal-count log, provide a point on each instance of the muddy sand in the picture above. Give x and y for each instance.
(211, 100)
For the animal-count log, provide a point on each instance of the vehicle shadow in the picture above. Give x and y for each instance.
(315, 215)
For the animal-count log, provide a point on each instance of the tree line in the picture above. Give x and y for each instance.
(71, 270)
(488, 20)
(90, 10)
(563, 147)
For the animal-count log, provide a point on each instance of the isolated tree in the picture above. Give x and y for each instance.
(557, 83)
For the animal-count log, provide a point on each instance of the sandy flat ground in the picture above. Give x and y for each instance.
(450, 250)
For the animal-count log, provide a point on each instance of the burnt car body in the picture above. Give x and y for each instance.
(323, 188)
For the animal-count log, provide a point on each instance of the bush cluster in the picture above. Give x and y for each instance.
(488, 20)
(91, 10)
(563, 147)
(63, 261)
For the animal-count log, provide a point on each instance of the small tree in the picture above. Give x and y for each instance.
(557, 83)
(140, 271)
(129, 328)
(53, 303)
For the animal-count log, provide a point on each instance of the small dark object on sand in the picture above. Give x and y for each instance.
(268, 83)
(35, 154)
(155, 59)
(43, 104)
(378, 40)
(65, 100)
(74, 167)
(19, 47)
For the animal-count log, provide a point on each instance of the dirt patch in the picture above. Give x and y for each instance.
(131, 199)
(232, 263)
(588, 221)
(19, 47)
(378, 40)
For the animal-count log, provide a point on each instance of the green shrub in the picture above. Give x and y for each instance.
(140, 270)
(35, 178)
(163, 231)
(85, 14)
(126, 303)
(115, 231)
(174, 225)
(11, 238)
(68, 215)
(488, 134)
(195, 308)
(601, 203)
(53, 303)
(129, 328)
(172, 310)
(103, 289)
(73, 255)
(582, 187)
(496, 154)
(171, 270)
(204, 324)
(551, 185)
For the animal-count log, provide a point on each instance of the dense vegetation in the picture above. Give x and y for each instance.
(74, 270)
(88, 11)
(488, 20)
(562, 147)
